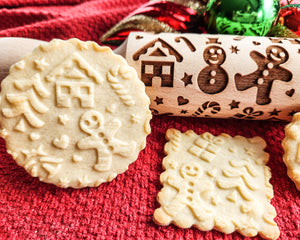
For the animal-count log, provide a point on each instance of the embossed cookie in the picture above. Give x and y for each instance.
(217, 183)
(74, 114)
(291, 147)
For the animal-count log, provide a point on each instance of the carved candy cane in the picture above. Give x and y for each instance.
(219, 76)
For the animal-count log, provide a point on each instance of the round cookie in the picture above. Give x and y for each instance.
(74, 114)
(291, 147)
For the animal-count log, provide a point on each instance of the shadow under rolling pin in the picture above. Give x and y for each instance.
(199, 75)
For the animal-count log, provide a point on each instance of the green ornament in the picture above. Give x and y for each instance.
(243, 17)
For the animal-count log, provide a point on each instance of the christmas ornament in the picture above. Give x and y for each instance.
(159, 16)
(289, 15)
(242, 17)
(273, 18)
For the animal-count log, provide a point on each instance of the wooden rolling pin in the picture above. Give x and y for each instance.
(199, 75)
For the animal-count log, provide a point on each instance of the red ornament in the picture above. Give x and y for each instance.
(175, 15)
(289, 15)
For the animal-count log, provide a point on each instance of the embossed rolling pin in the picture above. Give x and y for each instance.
(199, 75)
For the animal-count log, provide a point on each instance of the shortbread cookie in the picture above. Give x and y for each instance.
(74, 114)
(217, 183)
(291, 147)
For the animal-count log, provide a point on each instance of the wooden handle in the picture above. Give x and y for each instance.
(219, 76)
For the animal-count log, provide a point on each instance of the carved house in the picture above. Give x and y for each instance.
(160, 63)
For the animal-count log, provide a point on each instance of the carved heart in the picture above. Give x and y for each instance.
(61, 142)
(182, 101)
(290, 92)
(256, 43)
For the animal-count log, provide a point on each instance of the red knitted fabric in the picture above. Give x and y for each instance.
(123, 208)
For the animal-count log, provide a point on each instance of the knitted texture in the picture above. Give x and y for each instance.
(123, 208)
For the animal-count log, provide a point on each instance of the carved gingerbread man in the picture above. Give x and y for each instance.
(268, 71)
(102, 139)
(189, 188)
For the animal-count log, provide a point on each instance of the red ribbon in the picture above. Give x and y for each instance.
(178, 17)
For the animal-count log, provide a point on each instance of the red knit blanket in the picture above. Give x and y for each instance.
(123, 208)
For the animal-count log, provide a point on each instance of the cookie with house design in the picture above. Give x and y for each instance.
(216, 182)
(74, 114)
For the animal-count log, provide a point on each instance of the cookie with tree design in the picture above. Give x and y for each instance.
(216, 182)
(74, 114)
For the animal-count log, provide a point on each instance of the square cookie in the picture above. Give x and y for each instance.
(217, 183)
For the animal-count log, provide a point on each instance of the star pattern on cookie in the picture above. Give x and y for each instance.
(84, 181)
(41, 64)
(34, 152)
(63, 119)
(64, 181)
(135, 118)
(83, 46)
